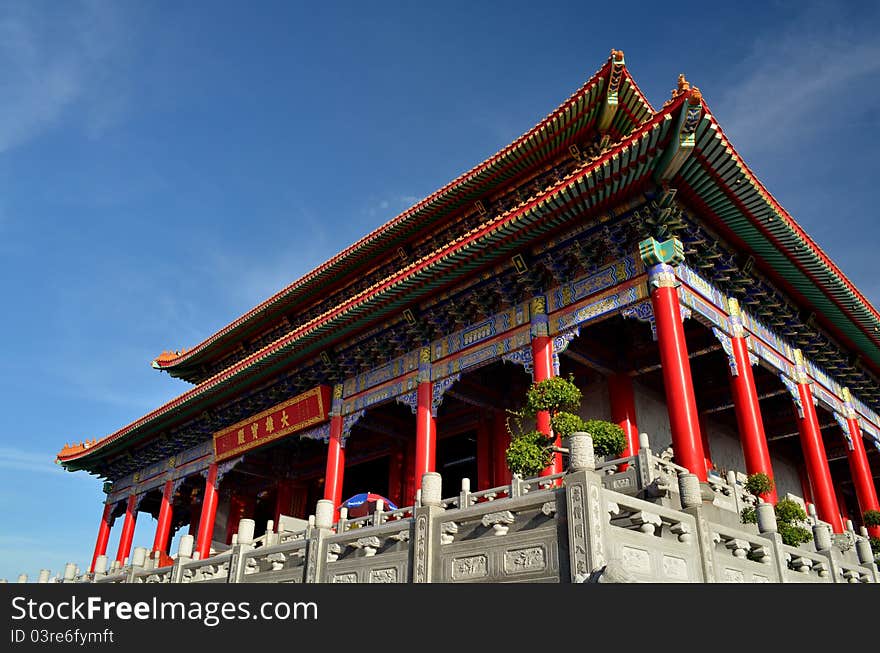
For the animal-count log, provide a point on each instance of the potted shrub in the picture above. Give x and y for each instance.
(609, 440)
(790, 517)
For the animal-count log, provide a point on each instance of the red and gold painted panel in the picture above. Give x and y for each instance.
(301, 412)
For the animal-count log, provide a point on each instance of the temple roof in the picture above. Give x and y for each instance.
(579, 114)
(646, 150)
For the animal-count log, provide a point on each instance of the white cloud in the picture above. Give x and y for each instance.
(59, 59)
(27, 461)
(795, 83)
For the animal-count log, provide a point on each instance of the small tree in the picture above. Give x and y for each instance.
(790, 517)
(609, 440)
(531, 452)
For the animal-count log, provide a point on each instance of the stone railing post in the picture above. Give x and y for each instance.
(585, 510)
(69, 573)
(645, 461)
(866, 554)
(316, 554)
(138, 563)
(100, 567)
(242, 542)
(425, 539)
(691, 498)
(44, 576)
(769, 529)
(184, 555)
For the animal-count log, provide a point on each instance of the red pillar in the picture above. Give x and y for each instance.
(209, 512)
(623, 410)
(426, 433)
(236, 514)
(678, 385)
(542, 369)
(704, 440)
(746, 404)
(127, 535)
(335, 471)
(814, 451)
(195, 508)
(866, 492)
(484, 455)
(395, 473)
(409, 473)
(163, 523)
(103, 536)
(500, 442)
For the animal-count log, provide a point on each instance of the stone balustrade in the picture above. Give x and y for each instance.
(635, 519)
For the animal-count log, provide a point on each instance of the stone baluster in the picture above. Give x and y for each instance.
(242, 543)
(44, 576)
(184, 555)
(426, 520)
(69, 573)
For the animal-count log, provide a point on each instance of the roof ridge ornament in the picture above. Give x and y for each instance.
(615, 77)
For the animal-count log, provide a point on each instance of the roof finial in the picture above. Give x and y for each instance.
(617, 55)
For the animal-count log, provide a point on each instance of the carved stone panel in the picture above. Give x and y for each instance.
(384, 575)
(350, 577)
(636, 560)
(466, 568)
(675, 568)
(519, 561)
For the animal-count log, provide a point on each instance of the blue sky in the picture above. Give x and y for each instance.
(164, 167)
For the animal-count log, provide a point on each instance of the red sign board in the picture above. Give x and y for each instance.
(293, 415)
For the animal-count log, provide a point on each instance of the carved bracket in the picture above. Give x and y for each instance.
(499, 521)
(727, 346)
(439, 389)
(844, 427)
(643, 312)
(520, 357)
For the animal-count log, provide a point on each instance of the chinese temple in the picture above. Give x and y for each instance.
(625, 246)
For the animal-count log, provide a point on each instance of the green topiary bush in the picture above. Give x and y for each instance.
(875, 545)
(529, 453)
(609, 440)
(759, 483)
(749, 515)
(552, 395)
(564, 424)
(789, 519)
(871, 518)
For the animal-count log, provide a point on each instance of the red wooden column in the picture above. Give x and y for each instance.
(409, 473)
(127, 535)
(209, 512)
(542, 369)
(814, 449)
(484, 454)
(237, 509)
(623, 410)
(500, 442)
(163, 522)
(426, 425)
(866, 491)
(103, 535)
(677, 383)
(334, 473)
(745, 402)
(195, 509)
(395, 475)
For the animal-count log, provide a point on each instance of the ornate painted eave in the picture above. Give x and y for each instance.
(609, 97)
(596, 184)
(728, 195)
